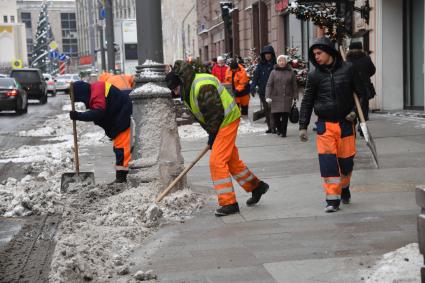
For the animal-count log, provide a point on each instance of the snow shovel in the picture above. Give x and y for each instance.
(366, 133)
(86, 178)
(184, 172)
(257, 115)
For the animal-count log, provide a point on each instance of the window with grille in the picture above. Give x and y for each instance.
(69, 34)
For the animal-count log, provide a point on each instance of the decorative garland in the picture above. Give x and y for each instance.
(321, 14)
(298, 64)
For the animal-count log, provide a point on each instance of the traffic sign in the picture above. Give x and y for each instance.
(17, 64)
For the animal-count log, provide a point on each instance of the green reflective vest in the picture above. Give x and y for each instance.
(231, 109)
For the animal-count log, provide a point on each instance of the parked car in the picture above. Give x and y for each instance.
(3, 76)
(64, 81)
(13, 96)
(32, 82)
(51, 84)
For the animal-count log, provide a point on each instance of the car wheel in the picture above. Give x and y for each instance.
(43, 100)
(19, 110)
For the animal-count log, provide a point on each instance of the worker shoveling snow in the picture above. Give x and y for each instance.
(101, 224)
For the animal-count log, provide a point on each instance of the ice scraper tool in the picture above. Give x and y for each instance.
(86, 178)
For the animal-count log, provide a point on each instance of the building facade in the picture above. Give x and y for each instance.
(62, 18)
(252, 24)
(179, 29)
(91, 30)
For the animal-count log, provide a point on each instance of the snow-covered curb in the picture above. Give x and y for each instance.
(402, 265)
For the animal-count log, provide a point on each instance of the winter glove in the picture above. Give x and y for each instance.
(351, 116)
(303, 135)
(268, 100)
(73, 115)
(211, 139)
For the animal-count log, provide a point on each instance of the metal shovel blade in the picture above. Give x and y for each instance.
(86, 178)
(370, 143)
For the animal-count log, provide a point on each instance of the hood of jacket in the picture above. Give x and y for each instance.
(82, 92)
(326, 45)
(268, 49)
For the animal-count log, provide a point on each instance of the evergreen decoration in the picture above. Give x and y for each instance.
(298, 64)
(40, 58)
(323, 14)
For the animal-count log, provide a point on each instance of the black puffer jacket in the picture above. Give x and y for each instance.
(263, 70)
(329, 90)
(364, 67)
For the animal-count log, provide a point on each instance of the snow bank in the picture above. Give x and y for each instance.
(415, 119)
(402, 265)
(102, 225)
(195, 131)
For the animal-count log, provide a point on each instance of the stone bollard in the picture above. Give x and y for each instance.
(157, 151)
(420, 200)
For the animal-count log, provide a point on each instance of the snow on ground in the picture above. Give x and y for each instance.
(195, 131)
(101, 224)
(407, 117)
(402, 265)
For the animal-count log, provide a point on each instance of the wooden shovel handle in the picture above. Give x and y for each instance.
(74, 129)
(184, 172)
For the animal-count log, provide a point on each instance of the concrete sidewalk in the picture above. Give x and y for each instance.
(288, 237)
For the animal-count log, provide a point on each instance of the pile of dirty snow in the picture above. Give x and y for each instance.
(102, 225)
(195, 131)
(39, 191)
(402, 265)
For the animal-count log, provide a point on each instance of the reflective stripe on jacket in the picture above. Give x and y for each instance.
(231, 110)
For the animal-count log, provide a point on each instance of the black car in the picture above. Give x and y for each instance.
(32, 82)
(12, 96)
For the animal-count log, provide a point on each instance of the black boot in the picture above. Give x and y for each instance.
(332, 206)
(260, 190)
(227, 210)
(346, 195)
(120, 177)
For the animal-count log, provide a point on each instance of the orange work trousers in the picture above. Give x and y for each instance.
(122, 150)
(225, 163)
(336, 146)
(243, 103)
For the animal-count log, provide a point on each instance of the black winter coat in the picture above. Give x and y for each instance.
(263, 70)
(330, 90)
(364, 67)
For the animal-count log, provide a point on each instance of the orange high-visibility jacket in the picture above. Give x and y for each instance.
(240, 80)
(121, 82)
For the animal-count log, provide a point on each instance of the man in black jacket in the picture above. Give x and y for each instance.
(260, 78)
(366, 69)
(329, 90)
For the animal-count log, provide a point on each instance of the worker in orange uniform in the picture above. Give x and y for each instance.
(216, 110)
(111, 109)
(329, 91)
(104, 76)
(123, 82)
(237, 76)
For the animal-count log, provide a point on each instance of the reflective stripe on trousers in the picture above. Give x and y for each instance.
(225, 162)
(336, 148)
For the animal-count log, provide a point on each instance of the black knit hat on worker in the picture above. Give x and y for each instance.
(326, 45)
(172, 80)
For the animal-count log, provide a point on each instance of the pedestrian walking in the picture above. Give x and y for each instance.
(219, 70)
(110, 109)
(281, 91)
(260, 78)
(238, 78)
(329, 91)
(366, 69)
(216, 110)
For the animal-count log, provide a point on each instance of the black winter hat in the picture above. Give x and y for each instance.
(82, 92)
(355, 45)
(233, 64)
(172, 80)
